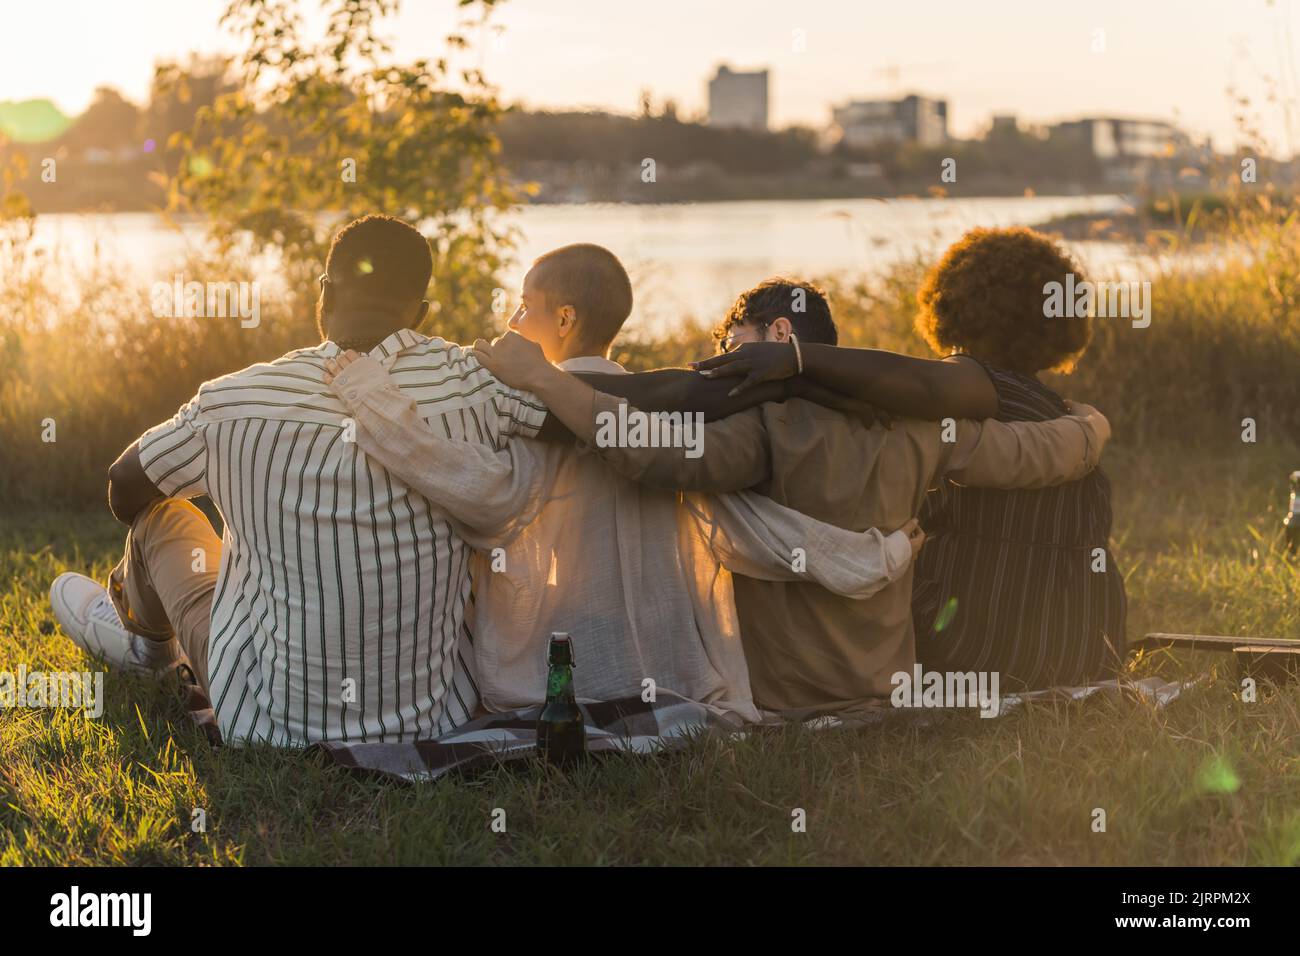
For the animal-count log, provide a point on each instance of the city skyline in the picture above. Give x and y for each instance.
(1041, 65)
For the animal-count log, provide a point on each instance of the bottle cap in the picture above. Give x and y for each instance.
(561, 649)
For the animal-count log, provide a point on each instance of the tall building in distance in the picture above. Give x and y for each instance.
(1004, 124)
(1129, 151)
(738, 99)
(863, 124)
(1113, 138)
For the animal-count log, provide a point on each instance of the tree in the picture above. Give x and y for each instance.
(17, 219)
(110, 122)
(313, 135)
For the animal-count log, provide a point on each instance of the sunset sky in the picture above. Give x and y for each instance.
(1162, 58)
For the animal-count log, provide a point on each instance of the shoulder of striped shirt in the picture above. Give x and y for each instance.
(308, 364)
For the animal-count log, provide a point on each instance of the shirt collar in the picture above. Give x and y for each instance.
(591, 363)
(399, 341)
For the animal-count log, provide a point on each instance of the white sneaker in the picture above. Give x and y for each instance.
(88, 616)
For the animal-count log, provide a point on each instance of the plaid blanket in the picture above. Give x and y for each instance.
(1152, 690)
(628, 724)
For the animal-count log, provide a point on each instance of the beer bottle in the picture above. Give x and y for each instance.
(1292, 520)
(561, 730)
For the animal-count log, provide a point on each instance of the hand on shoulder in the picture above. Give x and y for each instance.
(1091, 415)
(350, 374)
(514, 360)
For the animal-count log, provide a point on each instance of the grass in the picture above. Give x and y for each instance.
(1209, 780)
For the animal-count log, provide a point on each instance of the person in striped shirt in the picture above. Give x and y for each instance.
(333, 605)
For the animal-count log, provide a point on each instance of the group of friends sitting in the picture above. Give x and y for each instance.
(778, 530)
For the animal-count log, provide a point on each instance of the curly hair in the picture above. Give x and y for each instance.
(803, 303)
(986, 296)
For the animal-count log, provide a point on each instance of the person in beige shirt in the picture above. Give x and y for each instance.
(638, 576)
(807, 648)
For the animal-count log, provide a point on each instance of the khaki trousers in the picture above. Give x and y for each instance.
(164, 584)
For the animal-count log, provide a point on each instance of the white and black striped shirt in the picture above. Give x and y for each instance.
(341, 596)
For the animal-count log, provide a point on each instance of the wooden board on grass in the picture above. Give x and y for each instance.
(1212, 642)
(1277, 664)
(1263, 658)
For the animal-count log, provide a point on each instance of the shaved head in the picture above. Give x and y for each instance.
(591, 280)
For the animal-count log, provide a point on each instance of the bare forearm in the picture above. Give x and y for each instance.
(681, 390)
(569, 397)
(869, 374)
(569, 401)
(916, 387)
(733, 453)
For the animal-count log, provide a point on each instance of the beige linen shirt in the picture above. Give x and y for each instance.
(808, 648)
(639, 577)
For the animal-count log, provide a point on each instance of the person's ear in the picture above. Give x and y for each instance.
(326, 296)
(324, 305)
(568, 320)
(779, 331)
(420, 312)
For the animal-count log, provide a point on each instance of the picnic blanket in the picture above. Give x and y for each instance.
(1153, 690)
(628, 724)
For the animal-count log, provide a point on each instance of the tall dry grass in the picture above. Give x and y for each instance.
(83, 350)
(84, 361)
(1223, 344)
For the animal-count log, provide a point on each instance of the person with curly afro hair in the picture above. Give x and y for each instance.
(987, 297)
(1018, 582)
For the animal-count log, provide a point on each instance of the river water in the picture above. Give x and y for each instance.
(686, 259)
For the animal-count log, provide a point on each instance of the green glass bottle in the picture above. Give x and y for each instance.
(1292, 520)
(561, 729)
